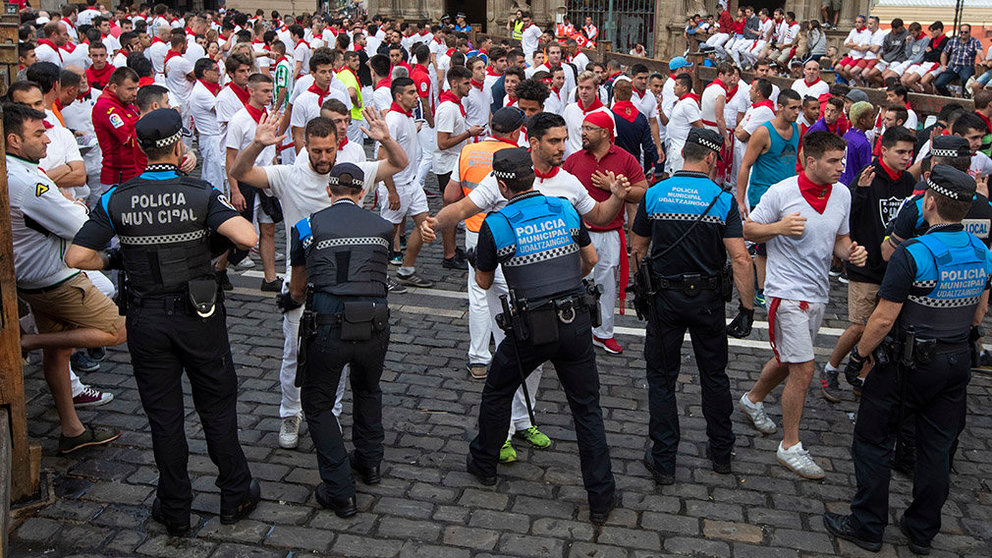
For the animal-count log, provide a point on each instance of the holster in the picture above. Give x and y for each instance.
(361, 317)
(122, 292)
(924, 351)
(308, 328)
(203, 296)
(591, 299)
(643, 290)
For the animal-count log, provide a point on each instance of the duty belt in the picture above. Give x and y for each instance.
(690, 283)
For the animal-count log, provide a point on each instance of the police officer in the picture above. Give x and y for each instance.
(343, 252)
(935, 287)
(544, 251)
(166, 223)
(690, 225)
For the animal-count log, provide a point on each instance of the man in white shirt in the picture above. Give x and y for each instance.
(233, 97)
(556, 58)
(77, 99)
(858, 41)
(194, 51)
(49, 48)
(157, 51)
(873, 45)
(556, 101)
(479, 99)
(685, 115)
(203, 109)
(381, 80)
(179, 77)
(302, 190)
(763, 69)
(766, 27)
(301, 51)
(810, 84)
(348, 151)
(531, 35)
(307, 104)
(587, 102)
(762, 110)
(103, 24)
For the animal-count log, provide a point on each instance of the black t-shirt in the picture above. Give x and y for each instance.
(872, 208)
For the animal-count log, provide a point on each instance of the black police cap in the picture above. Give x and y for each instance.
(508, 118)
(950, 146)
(160, 128)
(348, 175)
(952, 183)
(706, 138)
(511, 164)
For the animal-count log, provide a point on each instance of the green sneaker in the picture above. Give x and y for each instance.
(507, 454)
(534, 437)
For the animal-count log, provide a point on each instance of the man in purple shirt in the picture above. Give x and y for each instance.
(858, 156)
(831, 114)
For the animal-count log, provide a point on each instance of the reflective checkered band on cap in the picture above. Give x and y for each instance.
(542, 256)
(165, 142)
(505, 175)
(361, 241)
(944, 302)
(162, 238)
(355, 182)
(948, 153)
(945, 192)
(709, 144)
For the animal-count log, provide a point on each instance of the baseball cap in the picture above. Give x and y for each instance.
(348, 175)
(678, 62)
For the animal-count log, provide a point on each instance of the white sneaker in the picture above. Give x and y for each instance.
(798, 460)
(757, 415)
(289, 432)
(246, 263)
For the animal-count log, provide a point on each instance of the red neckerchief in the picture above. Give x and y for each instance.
(342, 143)
(625, 110)
(303, 42)
(766, 103)
(396, 108)
(859, 29)
(555, 92)
(692, 96)
(731, 93)
(988, 123)
(546, 176)
(348, 68)
(719, 82)
(640, 94)
(596, 103)
(388, 82)
(281, 58)
(241, 92)
(256, 114)
(448, 52)
(437, 39)
(52, 45)
(816, 195)
(221, 35)
(476, 84)
(211, 87)
(510, 101)
(613, 76)
(68, 46)
(158, 40)
(893, 175)
(321, 93)
(505, 140)
(920, 36)
(147, 80)
(449, 96)
(808, 84)
(190, 32)
(169, 56)
(491, 72)
(935, 43)
(85, 95)
(257, 42)
(99, 78)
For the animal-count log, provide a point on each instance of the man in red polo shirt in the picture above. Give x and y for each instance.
(598, 156)
(114, 116)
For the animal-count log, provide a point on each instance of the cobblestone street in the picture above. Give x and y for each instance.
(427, 505)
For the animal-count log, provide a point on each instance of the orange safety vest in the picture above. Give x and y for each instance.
(474, 164)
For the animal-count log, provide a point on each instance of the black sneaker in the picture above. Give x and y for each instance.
(90, 437)
(393, 287)
(99, 354)
(414, 280)
(250, 502)
(273, 286)
(840, 526)
(664, 479)
(719, 467)
(923, 549)
(174, 528)
(80, 361)
(454, 263)
(223, 280)
(599, 517)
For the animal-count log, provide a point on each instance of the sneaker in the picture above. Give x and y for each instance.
(80, 361)
(90, 437)
(506, 453)
(289, 431)
(396, 258)
(414, 280)
(534, 437)
(246, 263)
(843, 527)
(98, 354)
(393, 287)
(759, 300)
(757, 415)
(836, 270)
(223, 280)
(609, 345)
(843, 277)
(90, 397)
(273, 286)
(798, 460)
(478, 370)
(454, 263)
(830, 385)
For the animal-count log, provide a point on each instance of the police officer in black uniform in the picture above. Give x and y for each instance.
(166, 223)
(935, 287)
(690, 224)
(545, 251)
(343, 252)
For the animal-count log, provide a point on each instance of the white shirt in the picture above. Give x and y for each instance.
(763, 29)
(382, 98)
(78, 116)
(448, 119)
(119, 61)
(194, 51)
(574, 116)
(981, 165)
(307, 106)
(156, 53)
(486, 195)
(754, 118)
(646, 104)
(528, 41)
(685, 112)
(875, 39)
(86, 15)
(175, 77)
(403, 129)
(477, 105)
(63, 148)
(240, 134)
(862, 37)
(555, 103)
(707, 104)
(818, 88)
(351, 152)
(46, 53)
(797, 268)
(301, 53)
(112, 44)
(737, 105)
(581, 61)
(227, 105)
(203, 108)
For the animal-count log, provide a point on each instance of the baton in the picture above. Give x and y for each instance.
(504, 301)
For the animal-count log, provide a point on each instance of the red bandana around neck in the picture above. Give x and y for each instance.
(625, 110)
(170, 55)
(816, 195)
(241, 92)
(158, 40)
(690, 95)
(51, 45)
(542, 176)
(256, 114)
(640, 94)
(342, 143)
(384, 83)
(476, 84)
(893, 174)
(211, 87)
(396, 108)
(99, 78)
(719, 82)
(596, 103)
(321, 93)
(449, 96)
(808, 84)
(68, 47)
(766, 103)
(491, 72)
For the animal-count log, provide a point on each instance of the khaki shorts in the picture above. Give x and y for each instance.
(832, 4)
(861, 301)
(74, 304)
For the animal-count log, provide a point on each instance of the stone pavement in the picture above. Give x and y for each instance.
(428, 506)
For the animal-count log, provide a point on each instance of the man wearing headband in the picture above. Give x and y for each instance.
(544, 251)
(598, 157)
(690, 270)
(342, 251)
(168, 226)
(935, 287)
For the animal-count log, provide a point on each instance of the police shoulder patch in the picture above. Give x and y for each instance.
(40, 189)
(225, 202)
(116, 121)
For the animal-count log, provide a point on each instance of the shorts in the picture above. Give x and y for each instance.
(899, 68)
(261, 217)
(861, 301)
(832, 4)
(792, 328)
(75, 303)
(922, 68)
(413, 201)
(867, 64)
(848, 61)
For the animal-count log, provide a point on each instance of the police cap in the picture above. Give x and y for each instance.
(952, 183)
(347, 175)
(512, 164)
(160, 128)
(705, 137)
(950, 146)
(508, 118)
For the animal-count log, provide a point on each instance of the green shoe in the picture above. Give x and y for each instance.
(534, 437)
(507, 454)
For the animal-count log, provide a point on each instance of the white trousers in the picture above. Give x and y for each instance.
(606, 273)
(674, 156)
(213, 160)
(741, 46)
(717, 41)
(481, 323)
(428, 139)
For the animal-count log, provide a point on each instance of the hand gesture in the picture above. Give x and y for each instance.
(793, 225)
(859, 255)
(393, 199)
(189, 162)
(428, 229)
(268, 126)
(375, 125)
(866, 177)
(476, 130)
(602, 180)
(238, 200)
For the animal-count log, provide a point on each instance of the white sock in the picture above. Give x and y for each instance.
(830, 368)
(403, 270)
(747, 401)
